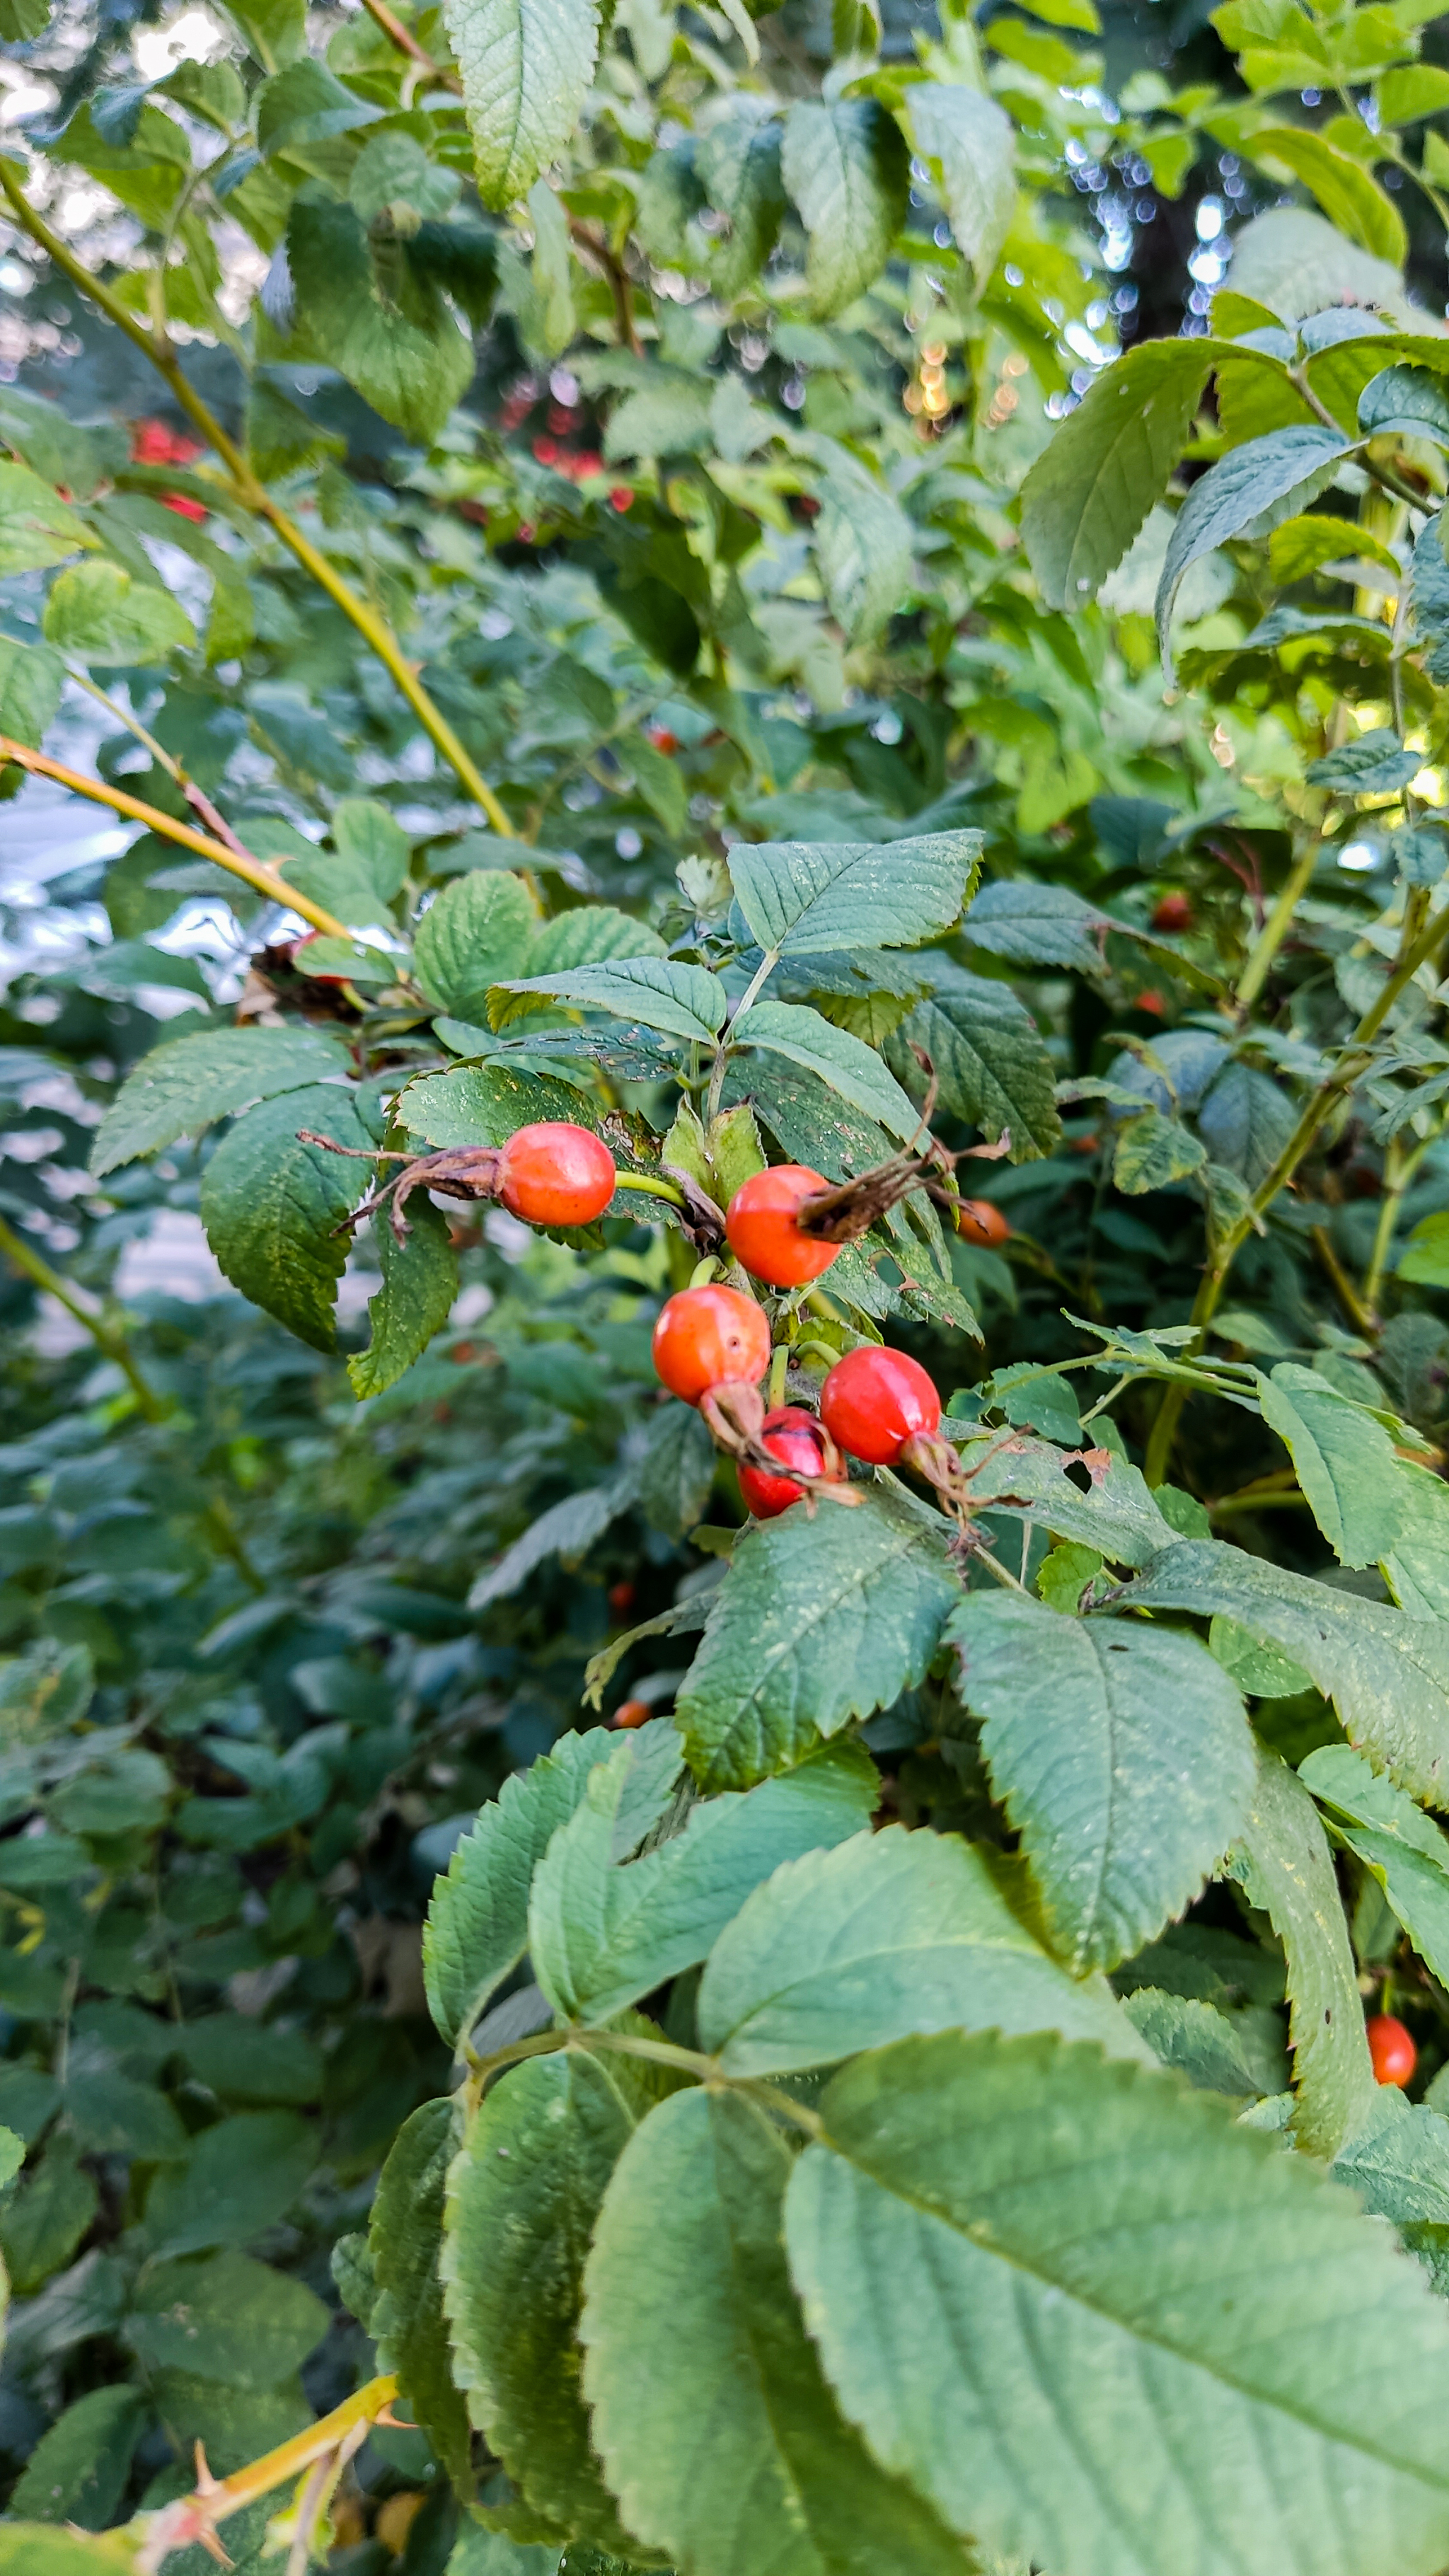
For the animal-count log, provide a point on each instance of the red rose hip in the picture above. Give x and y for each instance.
(1392, 2050)
(556, 1174)
(794, 1437)
(981, 1221)
(874, 1401)
(763, 1227)
(709, 1337)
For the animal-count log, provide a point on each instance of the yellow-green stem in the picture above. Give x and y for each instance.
(253, 872)
(107, 1336)
(1275, 929)
(653, 1189)
(254, 496)
(1316, 1110)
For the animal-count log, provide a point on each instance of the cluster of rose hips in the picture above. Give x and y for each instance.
(712, 1346)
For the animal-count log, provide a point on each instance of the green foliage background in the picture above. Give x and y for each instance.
(718, 554)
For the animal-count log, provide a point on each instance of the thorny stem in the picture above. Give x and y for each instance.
(255, 872)
(254, 496)
(1350, 1066)
(194, 2518)
(1275, 929)
(108, 1337)
(195, 796)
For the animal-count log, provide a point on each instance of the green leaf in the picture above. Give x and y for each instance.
(1304, 545)
(1286, 1869)
(1398, 2163)
(1108, 465)
(1258, 1669)
(1407, 1853)
(685, 1001)
(225, 2317)
(845, 1063)
(270, 1206)
(243, 2176)
(1116, 1515)
(1240, 2054)
(405, 2239)
(567, 1529)
(1344, 1460)
(1151, 1151)
(184, 1085)
(523, 2199)
(676, 1472)
(307, 104)
(526, 67)
(1348, 193)
(475, 934)
(600, 1936)
(1417, 1565)
(97, 612)
(486, 1104)
(21, 21)
(1424, 1261)
(970, 145)
(801, 898)
(815, 1623)
(738, 162)
(395, 338)
(37, 528)
(1123, 1758)
(1037, 925)
(419, 1284)
(12, 2153)
(865, 548)
(372, 841)
(1246, 493)
(588, 936)
(78, 2470)
(58, 449)
(31, 680)
(113, 2114)
(1387, 1676)
(847, 171)
(477, 1926)
(734, 2457)
(245, 2060)
(899, 1932)
(990, 1059)
(1375, 764)
(49, 2213)
(997, 2238)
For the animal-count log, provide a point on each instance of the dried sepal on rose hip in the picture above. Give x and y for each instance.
(550, 1173)
(764, 1230)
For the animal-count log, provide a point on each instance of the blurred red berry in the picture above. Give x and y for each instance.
(1174, 912)
(622, 497)
(1392, 2050)
(631, 1712)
